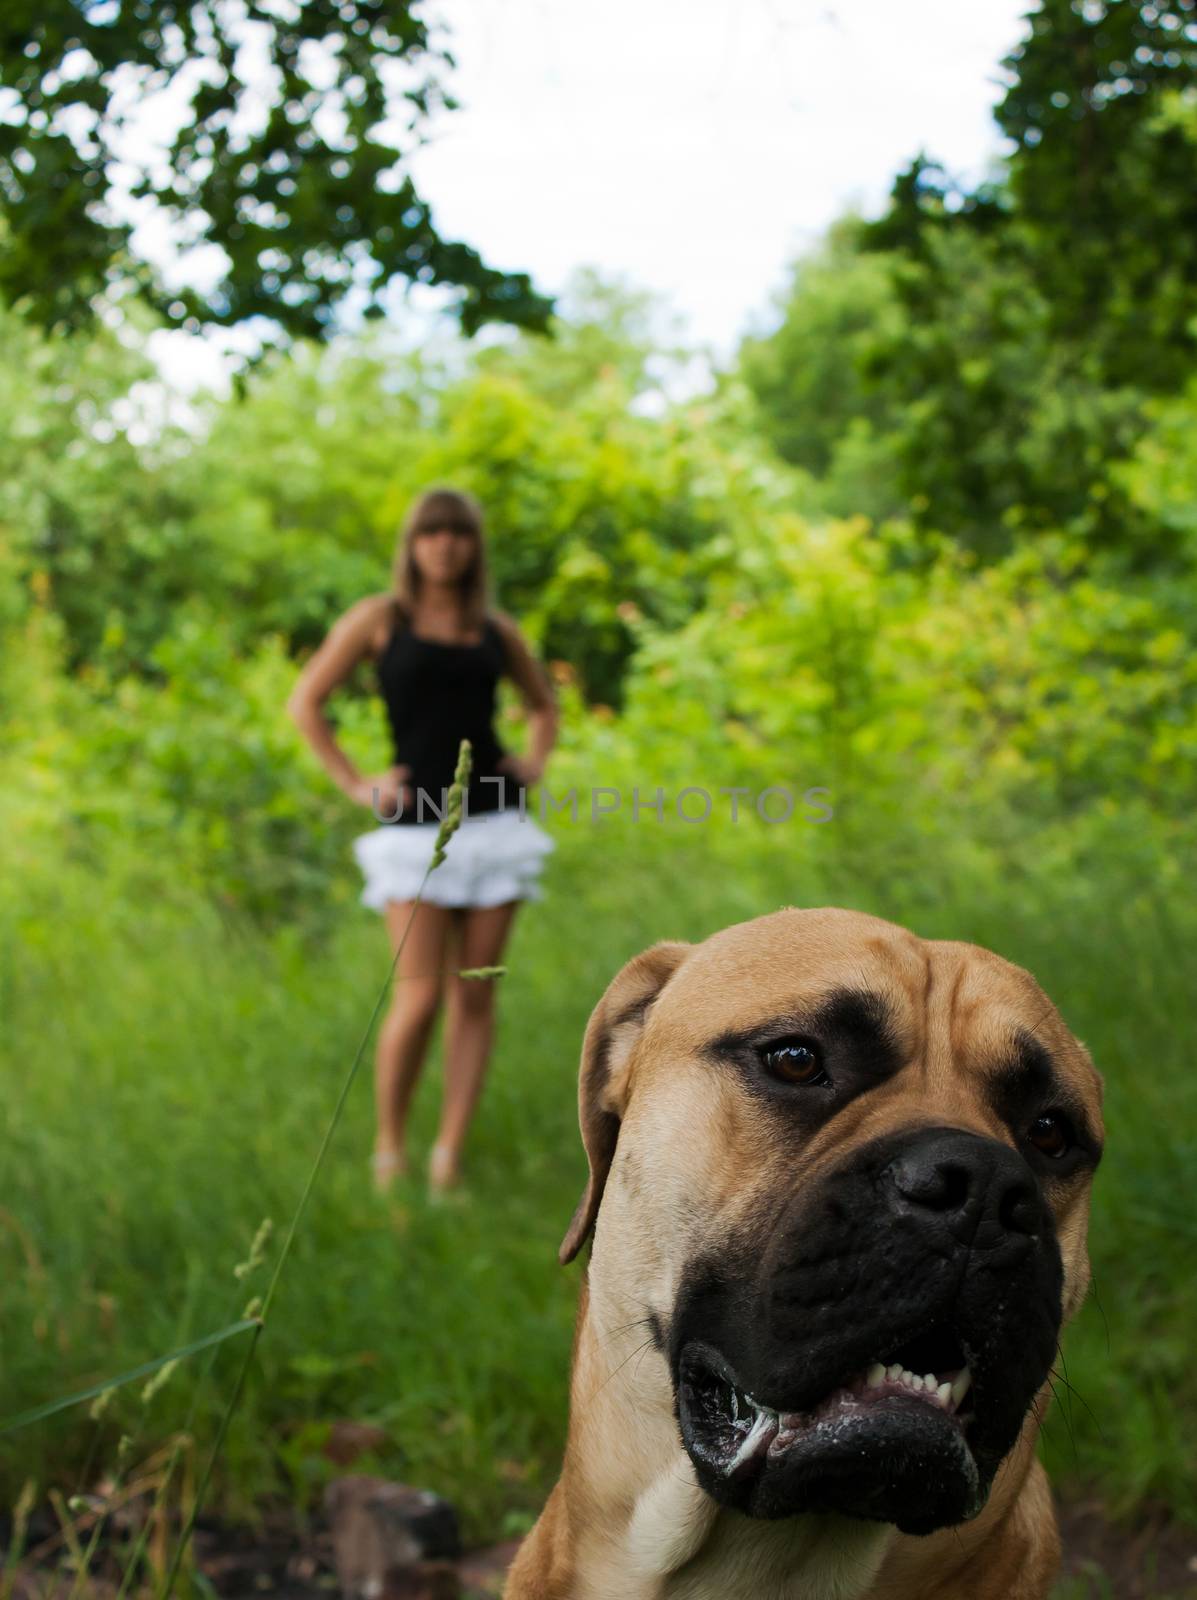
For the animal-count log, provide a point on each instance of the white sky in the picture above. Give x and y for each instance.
(698, 144)
(692, 147)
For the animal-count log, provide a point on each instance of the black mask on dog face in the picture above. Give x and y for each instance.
(874, 1347)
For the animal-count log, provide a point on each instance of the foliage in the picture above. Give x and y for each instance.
(604, 331)
(287, 509)
(1160, 478)
(283, 177)
(811, 375)
(1097, 199)
(1037, 683)
(928, 548)
(995, 347)
(76, 502)
(669, 567)
(1101, 178)
(177, 1065)
(953, 402)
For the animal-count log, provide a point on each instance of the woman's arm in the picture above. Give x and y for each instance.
(536, 691)
(349, 640)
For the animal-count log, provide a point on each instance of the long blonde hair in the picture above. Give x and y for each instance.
(438, 508)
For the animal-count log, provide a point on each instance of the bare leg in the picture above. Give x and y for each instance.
(470, 1018)
(407, 1026)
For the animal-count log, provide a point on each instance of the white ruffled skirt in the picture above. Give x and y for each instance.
(493, 857)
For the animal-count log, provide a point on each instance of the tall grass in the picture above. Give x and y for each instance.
(171, 1071)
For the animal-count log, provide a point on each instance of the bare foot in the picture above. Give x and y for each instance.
(387, 1165)
(442, 1169)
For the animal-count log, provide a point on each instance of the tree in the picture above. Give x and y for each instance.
(1098, 201)
(808, 372)
(1103, 176)
(286, 160)
(604, 329)
(992, 363)
(927, 384)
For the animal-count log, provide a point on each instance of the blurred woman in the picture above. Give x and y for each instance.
(439, 649)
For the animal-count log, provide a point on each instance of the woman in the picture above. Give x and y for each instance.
(439, 650)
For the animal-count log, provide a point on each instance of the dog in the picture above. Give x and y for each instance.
(839, 1193)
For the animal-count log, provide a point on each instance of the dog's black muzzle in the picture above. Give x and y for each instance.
(874, 1346)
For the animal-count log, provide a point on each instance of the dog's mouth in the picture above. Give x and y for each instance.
(908, 1412)
(736, 1430)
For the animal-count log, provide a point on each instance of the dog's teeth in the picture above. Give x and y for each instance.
(945, 1394)
(735, 1405)
(758, 1437)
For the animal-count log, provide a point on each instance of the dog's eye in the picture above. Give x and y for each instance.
(1051, 1134)
(795, 1061)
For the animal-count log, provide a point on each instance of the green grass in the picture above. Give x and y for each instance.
(1097, 1586)
(170, 1074)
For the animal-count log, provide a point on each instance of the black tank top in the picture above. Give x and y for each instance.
(436, 695)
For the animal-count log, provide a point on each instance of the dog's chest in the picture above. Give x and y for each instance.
(802, 1558)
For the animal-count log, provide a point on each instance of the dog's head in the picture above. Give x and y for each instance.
(843, 1174)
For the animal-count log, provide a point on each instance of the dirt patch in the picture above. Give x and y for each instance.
(1153, 1559)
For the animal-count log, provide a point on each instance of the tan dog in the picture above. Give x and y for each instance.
(839, 1187)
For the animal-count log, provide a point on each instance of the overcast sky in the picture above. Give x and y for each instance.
(694, 147)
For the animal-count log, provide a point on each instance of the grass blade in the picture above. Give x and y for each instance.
(25, 1418)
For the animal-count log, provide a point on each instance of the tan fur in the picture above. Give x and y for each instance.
(679, 1159)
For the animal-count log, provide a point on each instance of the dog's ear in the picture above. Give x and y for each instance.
(614, 1027)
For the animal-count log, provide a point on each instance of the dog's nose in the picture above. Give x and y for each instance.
(978, 1189)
